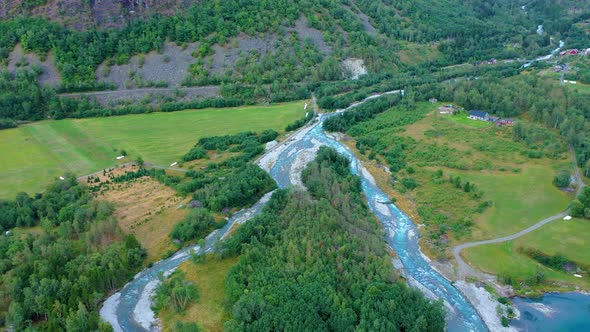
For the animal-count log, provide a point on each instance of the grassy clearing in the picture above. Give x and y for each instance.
(519, 188)
(412, 53)
(209, 312)
(149, 210)
(23, 162)
(34, 154)
(431, 149)
(567, 238)
(462, 119)
(519, 199)
(580, 87)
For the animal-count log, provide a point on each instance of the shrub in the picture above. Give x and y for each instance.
(562, 179)
(175, 292)
(409, 183)
(194, 154)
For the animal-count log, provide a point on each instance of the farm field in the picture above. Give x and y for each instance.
(34, 154)
(558, 237)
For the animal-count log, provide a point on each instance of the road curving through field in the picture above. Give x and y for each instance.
(465, 269)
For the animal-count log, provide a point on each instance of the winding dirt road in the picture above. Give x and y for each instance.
(465, 269)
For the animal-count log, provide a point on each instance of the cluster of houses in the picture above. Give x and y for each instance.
(575, 51)
(485, 116)
(475, 115)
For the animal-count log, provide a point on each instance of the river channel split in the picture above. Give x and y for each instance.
(129, 309)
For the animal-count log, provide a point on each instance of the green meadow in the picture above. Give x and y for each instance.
(567, 238)
(34, 154)
(462, 119)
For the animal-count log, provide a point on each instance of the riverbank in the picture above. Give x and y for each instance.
(483, 301)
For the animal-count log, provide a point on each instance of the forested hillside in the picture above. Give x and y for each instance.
(316, 260)
(258, 50)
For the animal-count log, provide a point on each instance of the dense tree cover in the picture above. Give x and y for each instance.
(580, 207)
(335, 95)
(21, 97)
(239, 141)
(196, 225)
(58, 277)
(248, 144)
(240, 188)
(581, 73)
(480, 30)
(316, 260)
(174, 292)
(343, 121)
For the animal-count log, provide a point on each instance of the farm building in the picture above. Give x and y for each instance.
(504, 122)
(447, 109)
(479, 115)
(570, 52)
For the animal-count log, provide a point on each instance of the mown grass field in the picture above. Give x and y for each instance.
(208, 312)
(34, 154)
(519, 199)
(568, 238)
(462, 118)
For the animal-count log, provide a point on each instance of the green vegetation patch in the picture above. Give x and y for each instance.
(296, 273)
(34, 154)
(560, 237)
(209, 311)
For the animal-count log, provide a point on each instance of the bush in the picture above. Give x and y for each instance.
(409, 183)
(577, 208)
(562, 179)
(267, 136)
(194, 154)
(7, 123)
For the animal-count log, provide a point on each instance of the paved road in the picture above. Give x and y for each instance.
(465, 269)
